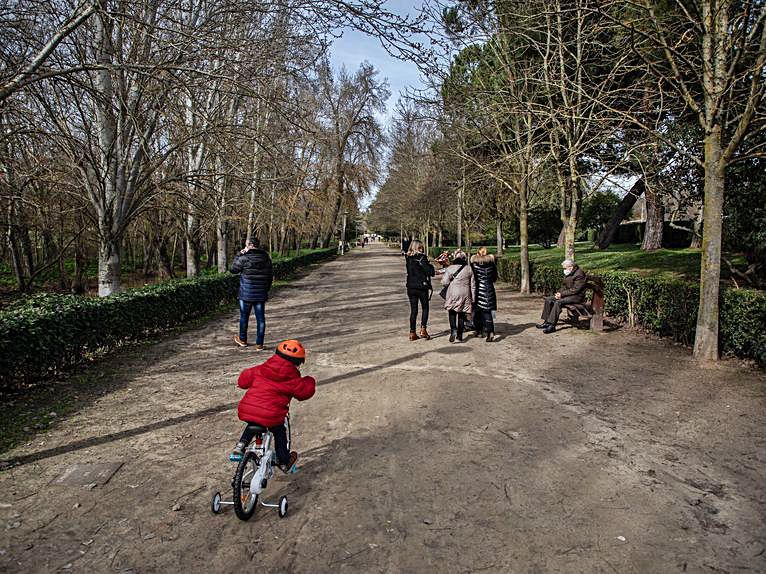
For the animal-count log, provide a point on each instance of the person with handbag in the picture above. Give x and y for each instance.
(458, 293)
(419, 273)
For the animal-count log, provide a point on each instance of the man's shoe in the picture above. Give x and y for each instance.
(460, 337)
(239, 341)
(424, 334)
(452, 336)
(490, 337)
(543, 325)
(549, 329)
(413, 336)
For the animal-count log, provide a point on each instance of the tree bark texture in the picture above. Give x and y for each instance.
(706, 335)
(525, 283)
(655, 218)
(109, 265)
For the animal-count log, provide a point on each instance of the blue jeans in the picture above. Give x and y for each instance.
(260, 317)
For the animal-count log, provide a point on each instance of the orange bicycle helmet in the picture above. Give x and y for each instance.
(292, 350)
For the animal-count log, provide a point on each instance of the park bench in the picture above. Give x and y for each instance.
(592, 309)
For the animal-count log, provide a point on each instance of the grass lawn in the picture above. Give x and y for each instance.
(684, 263)
(680, 263)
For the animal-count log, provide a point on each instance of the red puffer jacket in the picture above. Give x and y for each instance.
(270, 386)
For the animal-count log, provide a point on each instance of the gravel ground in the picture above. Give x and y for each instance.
(572, 452)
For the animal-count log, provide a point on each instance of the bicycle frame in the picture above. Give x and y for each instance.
(264, 453)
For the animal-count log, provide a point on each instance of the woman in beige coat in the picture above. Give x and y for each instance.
(458, 278)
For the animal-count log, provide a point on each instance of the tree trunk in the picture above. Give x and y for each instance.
(173, 253)
(13, 246)
(460, 212)
(164, 264)
(499, 236)
(706, 336)
(223, 245)
(212, 252)
(655, 218)
(79, 285)
(696, 241)
(26, 249)
(606, 236)
(525, 285)
(569, 238)
(146, 254)
(109, 265)
(192, 246)
(63, 277)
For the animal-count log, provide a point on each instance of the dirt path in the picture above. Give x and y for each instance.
(573, 452)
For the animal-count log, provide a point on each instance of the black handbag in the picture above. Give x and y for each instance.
(443, 292)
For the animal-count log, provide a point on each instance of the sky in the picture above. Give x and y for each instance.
(355, 47)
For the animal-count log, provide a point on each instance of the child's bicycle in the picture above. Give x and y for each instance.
(255, 469)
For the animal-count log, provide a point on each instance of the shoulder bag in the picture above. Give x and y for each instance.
(443, 292)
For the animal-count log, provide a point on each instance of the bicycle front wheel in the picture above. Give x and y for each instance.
(245, 499)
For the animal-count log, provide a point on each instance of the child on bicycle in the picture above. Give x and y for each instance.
(270, 387)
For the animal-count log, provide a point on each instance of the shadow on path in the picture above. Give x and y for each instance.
(128, 433)
(99, 440)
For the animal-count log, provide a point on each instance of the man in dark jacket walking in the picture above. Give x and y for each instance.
(572, 291)
(255, 271)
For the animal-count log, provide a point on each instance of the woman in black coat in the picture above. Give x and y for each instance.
(419, 273)
(485, 300)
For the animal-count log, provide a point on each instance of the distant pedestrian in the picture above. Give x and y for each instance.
(458, 301)
(419, 273)
(255, 271)
(484, 269)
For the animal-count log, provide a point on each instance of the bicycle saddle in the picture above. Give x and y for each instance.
(257, 429)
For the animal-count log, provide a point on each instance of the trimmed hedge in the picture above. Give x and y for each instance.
(48, 333)
(665, 307)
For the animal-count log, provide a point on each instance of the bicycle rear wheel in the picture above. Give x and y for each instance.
(245, 499)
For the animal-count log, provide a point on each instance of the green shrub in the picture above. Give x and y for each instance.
(664, 306)
(48, 333)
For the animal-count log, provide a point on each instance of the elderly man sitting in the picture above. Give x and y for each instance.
(573, 291)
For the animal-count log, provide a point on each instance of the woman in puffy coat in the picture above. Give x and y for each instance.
(256, 274)
(458, 278)
(485, 299)
(419, 273)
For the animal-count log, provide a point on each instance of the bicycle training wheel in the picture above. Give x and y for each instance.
(244, 499)
(282, 509)
(215, 503)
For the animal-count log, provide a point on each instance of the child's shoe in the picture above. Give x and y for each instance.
(238, 451)
(293, 459)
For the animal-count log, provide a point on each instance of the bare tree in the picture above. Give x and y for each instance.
(712, 56)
